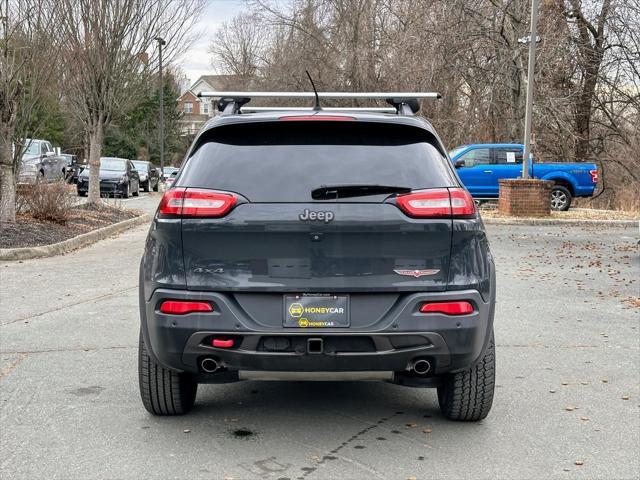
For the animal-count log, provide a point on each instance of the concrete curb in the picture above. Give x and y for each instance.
(559, 221)
(26, 253)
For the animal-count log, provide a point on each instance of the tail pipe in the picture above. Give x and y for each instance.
(210, 365)
(420, 366)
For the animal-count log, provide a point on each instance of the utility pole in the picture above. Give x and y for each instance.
(161, 42)
(533, 39)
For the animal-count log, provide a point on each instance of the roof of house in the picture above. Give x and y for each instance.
(209, 82)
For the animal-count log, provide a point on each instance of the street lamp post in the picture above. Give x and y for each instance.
(533, 39)
(161, 42)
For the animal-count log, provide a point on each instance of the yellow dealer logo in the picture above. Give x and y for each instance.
(303, 322)
(295, 310)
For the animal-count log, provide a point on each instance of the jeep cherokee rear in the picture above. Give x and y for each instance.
(317, 243)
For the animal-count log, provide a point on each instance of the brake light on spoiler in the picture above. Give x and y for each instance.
(196, 202)
(437, 203)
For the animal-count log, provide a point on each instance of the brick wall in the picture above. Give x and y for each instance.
(525, 197)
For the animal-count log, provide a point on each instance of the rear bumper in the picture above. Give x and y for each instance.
(402, 335)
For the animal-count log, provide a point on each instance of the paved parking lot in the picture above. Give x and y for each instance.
(568, 350)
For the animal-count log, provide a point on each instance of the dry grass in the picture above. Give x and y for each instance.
(490, 210)
(623, 198)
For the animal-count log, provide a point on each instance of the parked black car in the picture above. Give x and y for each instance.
(118, 177)
(149, 175)
(72, 168)
(317, 242)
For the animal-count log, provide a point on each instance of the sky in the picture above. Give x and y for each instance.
(197, 60)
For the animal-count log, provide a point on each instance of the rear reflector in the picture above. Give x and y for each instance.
(316, 118)
(180, 307)
(448, 308)
(437, 202)
(594, 175)
(196, 202)
(222, 343)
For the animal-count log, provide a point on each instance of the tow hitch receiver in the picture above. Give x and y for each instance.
(315, 346)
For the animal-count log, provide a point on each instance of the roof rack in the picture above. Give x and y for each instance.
(404, 103)
(310, 109)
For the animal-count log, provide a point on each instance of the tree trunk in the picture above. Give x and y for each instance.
(95, 151)
(7, 176)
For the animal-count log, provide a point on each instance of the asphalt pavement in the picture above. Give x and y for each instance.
(566, 405)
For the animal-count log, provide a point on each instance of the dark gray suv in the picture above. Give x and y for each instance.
(322, 242)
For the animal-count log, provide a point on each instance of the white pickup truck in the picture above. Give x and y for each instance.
(41, 163)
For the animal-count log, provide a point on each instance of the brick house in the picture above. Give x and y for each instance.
(196, 111)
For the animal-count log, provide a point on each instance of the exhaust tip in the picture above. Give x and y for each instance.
(421, 366)
(209, 365)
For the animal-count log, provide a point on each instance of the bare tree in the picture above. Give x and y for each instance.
(237, 47)
(28, 54)
(587, 102)
(107, 57)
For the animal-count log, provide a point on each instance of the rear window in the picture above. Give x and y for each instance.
(285, 161)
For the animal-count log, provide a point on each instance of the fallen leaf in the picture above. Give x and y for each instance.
(565, 383)
(186, 430)
(579, 462)
(626, 397)
(584, 419)
(552, 391)
(570, 408)
(427, 430)
(604, 380)
(411, 425)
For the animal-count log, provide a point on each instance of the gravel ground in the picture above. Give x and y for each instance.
(566, 406)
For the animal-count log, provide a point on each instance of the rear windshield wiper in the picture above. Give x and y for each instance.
(327, 192)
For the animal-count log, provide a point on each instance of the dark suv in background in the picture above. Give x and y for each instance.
(322, 242)
(149, 175)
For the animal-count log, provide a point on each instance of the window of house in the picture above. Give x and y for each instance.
(206, 108)
(188, 107)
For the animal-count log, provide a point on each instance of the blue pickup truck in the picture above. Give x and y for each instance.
(481, 165)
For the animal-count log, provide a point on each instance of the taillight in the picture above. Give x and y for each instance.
(437, 202)
(196, 202)
(594, 175)
(182, 307)
(448, 308)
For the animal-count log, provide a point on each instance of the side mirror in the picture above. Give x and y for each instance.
(459, 163)
(50, 153)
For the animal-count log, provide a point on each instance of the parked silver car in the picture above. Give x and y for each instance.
(40, 163)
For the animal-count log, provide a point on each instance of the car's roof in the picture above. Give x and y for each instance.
(272, 116)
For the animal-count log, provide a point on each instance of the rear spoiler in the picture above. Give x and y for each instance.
(404, 103)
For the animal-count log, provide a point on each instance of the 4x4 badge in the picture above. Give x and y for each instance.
(417, 273)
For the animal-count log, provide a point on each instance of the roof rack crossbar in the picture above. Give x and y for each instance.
(404, 103)
(344, 95)
(327, 109)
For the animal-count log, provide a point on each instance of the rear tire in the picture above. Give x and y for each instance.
(560, 198)
(467, 396)
(163, 392)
